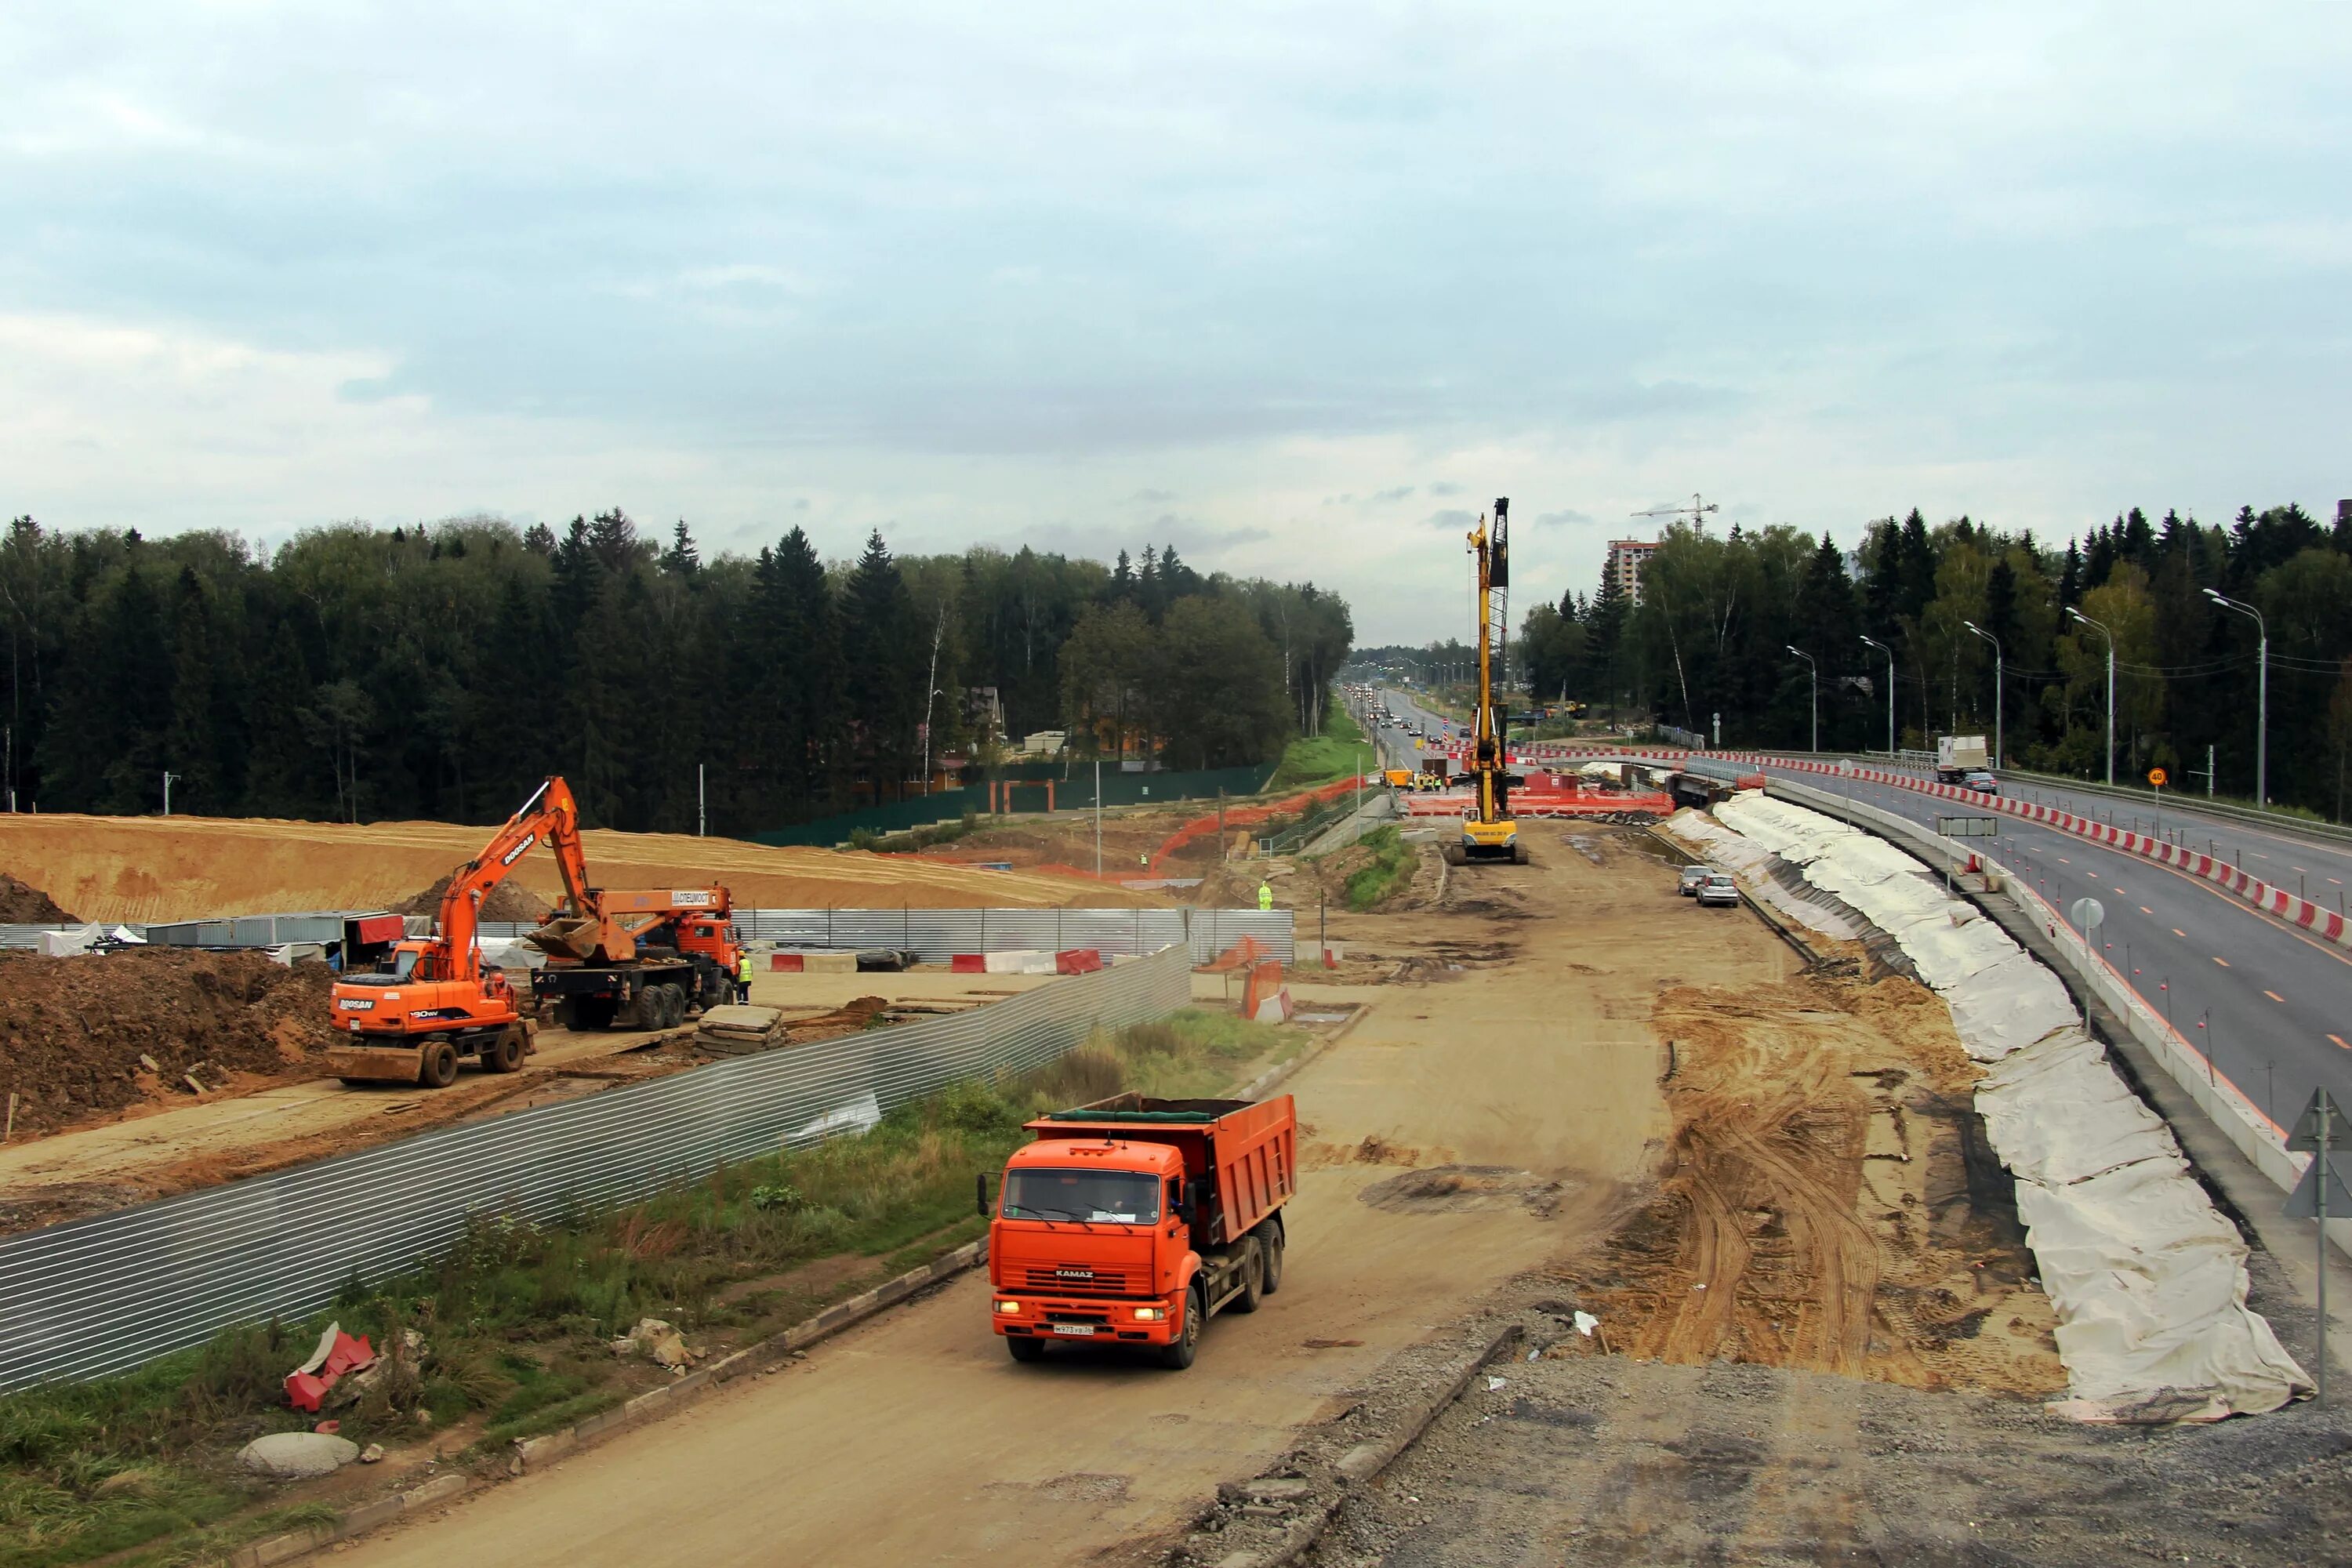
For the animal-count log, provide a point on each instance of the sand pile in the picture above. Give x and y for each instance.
(21, 903)
(76, 1034)
(508, 902)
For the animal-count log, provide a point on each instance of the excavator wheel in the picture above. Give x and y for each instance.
(1519, 853)
(1455, 855)
(437, 1065)
(504, 1053)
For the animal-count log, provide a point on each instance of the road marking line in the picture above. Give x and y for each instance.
(2223, 962)
(2258, 854)
(2064, 861)
(2299, 870)
(2275, 996)
(2121, 894)
(2341, 1041)
(2146, 911)
(2178, 932)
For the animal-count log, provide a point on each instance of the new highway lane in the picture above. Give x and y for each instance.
(2269, 1005)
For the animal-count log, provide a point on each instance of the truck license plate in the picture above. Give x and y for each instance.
(1081, 1330)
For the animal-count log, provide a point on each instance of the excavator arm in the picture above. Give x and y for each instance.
(550, 815)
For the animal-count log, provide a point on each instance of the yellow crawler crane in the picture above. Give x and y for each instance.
(1488, 832)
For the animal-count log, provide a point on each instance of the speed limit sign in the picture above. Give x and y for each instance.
(2156, 776)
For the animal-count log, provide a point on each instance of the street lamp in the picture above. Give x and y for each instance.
(1814, 670)
(1890, 694)
(1996, 686)
(2262, 697)
(2111, 687)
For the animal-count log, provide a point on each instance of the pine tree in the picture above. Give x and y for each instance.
(681, 560)
(885, 658)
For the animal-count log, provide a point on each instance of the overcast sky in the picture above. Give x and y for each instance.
(1298, 288)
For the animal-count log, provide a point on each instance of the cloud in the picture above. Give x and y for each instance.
(1452, 517)
(969, 270)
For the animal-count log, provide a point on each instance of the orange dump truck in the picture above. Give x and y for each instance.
(1133, 1221)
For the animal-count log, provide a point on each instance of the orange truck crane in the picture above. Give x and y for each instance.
(1131, 1222)
(433, 1002)
(642, 958)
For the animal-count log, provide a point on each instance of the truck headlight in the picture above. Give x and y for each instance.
(1010, 1308)
(1151, 1314)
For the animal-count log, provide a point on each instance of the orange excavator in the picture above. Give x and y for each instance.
(433, 1002)
(614, 957)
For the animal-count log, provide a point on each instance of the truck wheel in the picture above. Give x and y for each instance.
(676, 1010)
(567, 1013)
(438, 1068)
(1273, 1259)
(504, 1053)
(1252, 1279)
(1179, 1355)
(1023, 1348)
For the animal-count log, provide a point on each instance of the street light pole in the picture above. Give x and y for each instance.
(1996, 686)
(2262, 697)
(2111, 687)
(168, 777)
(1814, 670)
(1890, 696)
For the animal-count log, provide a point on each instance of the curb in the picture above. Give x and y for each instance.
(1362, 1464)
(532, 1451)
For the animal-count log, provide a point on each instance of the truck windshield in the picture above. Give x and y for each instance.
(1110, 1198)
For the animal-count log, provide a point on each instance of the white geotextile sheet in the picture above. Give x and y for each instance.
(1751, 865)
(2147, 1278)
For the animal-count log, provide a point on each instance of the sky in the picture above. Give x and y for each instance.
(1299, 288)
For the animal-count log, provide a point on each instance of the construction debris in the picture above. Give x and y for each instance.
(659, 1342)
(741, 1029)
(21, 903)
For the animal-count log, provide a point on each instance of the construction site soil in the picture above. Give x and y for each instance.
(185, 867)
(21, 903)
(85, 1036)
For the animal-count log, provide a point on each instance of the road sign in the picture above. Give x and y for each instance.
(2156, 776)
(2317, 1110)
(2303, 1203)
(2088, 915)
(1968, 826)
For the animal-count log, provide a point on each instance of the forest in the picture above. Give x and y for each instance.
(1719, 614)
(358, 673)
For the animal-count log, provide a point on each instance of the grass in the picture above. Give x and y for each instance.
(915, 838)
(1335, 754)
(516, 1318)
(1391, 863)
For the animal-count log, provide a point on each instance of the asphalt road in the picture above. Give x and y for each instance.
(2269, 1005)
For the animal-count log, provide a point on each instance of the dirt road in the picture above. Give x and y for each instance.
(1469, 1129)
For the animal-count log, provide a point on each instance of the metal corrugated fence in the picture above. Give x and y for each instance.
(936, 935)
(98, 1295)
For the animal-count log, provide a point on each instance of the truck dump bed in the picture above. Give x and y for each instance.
(1245, 1151)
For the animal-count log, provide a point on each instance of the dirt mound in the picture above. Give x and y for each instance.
(76, 1034)
(189, 867)
(508, 901)
(21, 903)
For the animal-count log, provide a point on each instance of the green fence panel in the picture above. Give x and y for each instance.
(1074, 793)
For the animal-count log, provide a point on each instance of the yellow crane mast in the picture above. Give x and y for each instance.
(1488, 832)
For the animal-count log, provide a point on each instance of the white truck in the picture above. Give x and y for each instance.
(1957, 756)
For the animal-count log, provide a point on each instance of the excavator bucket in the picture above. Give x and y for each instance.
(568, 936)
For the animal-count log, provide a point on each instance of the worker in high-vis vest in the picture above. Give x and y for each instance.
(1265, 895)
(743, 975)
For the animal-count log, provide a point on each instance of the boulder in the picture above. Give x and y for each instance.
(296, 1456)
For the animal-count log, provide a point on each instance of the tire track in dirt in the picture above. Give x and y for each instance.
(1817, 1208)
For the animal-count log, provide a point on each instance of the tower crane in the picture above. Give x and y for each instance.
(1695, 513)
(1488, 832)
